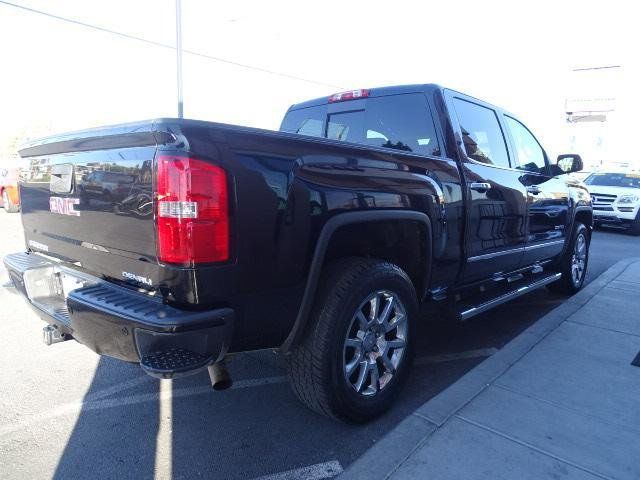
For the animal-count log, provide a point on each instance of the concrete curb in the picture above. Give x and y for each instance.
(384, 458)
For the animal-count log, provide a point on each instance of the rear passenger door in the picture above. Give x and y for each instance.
(496, 197)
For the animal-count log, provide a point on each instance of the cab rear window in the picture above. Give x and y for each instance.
(399, 122)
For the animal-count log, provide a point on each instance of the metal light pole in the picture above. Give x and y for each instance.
(179, 55)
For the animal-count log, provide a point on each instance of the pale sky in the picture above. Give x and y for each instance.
(518, 55)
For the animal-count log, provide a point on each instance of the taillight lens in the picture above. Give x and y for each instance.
(192, 211)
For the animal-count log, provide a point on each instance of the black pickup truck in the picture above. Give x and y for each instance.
(174, 243)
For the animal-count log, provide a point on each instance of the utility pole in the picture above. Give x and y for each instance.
(179, 56)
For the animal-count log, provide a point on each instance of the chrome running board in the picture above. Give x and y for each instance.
(494, 302)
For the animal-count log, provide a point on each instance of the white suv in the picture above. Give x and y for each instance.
(616, 199)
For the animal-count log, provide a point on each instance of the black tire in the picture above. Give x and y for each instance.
(8, 205)
(571, 283)
(634, 229)
(318, 366)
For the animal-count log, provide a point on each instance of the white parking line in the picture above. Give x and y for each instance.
(164, 442)
(163, 395)
(312, 472)
(449, 357)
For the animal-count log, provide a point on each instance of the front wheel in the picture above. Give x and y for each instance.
(356, 353)
(573, 263)
(634, 229)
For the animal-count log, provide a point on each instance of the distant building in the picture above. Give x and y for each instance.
(592, 114)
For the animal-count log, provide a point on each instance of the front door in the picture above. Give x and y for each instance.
(548, 195)
(496, 198)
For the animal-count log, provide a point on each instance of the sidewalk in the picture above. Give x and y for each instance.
(561, 400)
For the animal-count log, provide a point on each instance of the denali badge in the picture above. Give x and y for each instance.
(137, 278)
(64, 206)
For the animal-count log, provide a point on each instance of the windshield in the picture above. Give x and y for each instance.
(628, 180)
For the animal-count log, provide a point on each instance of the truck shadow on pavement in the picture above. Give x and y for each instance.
(243, 432)
(135, 426)
(116, 442)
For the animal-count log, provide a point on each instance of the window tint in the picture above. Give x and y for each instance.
(529, 153)
(306, 121)
(401, 122)
(481, 133)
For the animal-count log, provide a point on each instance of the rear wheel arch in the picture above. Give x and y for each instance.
(329, 248)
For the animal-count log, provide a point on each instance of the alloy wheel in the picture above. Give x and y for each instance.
(375, 343)
(579, 259)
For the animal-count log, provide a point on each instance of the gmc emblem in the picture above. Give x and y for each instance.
(64, 206)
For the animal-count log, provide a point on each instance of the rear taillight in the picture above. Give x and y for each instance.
(192, 213)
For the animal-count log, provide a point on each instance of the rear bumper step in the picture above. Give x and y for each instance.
(121, 323)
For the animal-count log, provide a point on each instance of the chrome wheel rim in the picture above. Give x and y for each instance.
(375, 343)
(579, 259)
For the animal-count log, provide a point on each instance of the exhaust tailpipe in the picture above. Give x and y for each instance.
(219, 375)
(52, 334)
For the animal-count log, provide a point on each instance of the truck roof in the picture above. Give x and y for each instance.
(374, 92)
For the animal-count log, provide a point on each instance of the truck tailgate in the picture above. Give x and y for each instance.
(87, 198)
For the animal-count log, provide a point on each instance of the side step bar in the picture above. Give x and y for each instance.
(494, 302)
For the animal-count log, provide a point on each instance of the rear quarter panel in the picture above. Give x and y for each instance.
(284, 188)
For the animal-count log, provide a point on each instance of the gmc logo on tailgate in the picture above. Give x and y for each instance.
(64, 206)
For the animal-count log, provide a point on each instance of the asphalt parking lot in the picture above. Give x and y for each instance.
(67, 413)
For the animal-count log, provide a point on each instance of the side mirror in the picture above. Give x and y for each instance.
(569, 163)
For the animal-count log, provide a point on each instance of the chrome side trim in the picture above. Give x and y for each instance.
(472, 312)
(487, 256)
(526, 248)
(542, 245)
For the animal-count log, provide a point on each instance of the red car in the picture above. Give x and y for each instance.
(9, 189)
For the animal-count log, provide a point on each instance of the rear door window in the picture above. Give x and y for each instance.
(481, 133)
(401, 122)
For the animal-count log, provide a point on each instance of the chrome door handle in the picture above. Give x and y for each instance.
(534, 189)
(480, 186)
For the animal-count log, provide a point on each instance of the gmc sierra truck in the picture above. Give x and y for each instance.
(175, 243)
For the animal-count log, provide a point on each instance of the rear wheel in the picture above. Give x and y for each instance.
(357, 351)
(8, 205)
(574, 262)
